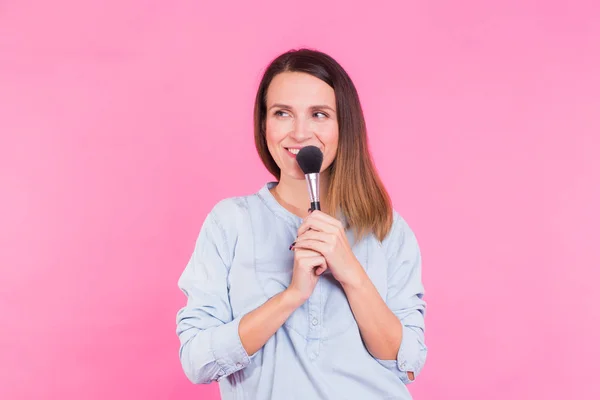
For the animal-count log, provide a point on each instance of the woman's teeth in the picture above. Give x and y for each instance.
(294, 151)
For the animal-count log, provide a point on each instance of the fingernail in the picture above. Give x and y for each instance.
(292, 245)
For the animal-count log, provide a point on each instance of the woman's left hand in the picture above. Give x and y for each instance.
(326, 235)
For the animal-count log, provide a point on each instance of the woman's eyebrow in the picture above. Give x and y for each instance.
(315, 107)
(279, 105)
(322, 107)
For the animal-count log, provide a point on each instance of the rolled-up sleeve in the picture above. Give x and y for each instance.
(210, 345)
(405, 299)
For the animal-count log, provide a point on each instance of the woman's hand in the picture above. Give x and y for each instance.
(326, 235)
(308, 266)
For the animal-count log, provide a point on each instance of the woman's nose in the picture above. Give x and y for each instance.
(301, 130)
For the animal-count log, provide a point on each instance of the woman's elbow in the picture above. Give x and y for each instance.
(198, 366)
(198, 376)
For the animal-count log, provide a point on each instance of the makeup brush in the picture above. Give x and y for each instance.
(310, 160)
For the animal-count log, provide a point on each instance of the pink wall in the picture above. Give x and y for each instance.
(113, 114)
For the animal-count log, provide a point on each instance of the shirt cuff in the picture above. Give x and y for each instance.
(401, 365)
(227, 349)
(402, 360)
(394, 366)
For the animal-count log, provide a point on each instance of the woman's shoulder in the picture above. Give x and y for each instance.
(400, 232)
(226, 208)
(230, 209)
(223, 221)
(235, 208)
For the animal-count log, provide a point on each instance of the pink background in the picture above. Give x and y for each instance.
(484, 121)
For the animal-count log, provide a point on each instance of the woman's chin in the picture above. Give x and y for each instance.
(293, 175)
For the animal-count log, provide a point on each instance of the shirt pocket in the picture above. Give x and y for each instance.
(274, 276)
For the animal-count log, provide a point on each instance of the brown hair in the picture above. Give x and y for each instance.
(355, 188)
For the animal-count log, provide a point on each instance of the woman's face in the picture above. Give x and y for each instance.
(300, 112)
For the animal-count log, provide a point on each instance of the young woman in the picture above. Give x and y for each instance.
(340, 313)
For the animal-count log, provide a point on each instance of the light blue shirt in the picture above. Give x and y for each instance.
(241, 259)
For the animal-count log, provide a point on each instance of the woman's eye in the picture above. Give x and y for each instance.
(319, 114)
(281, 113)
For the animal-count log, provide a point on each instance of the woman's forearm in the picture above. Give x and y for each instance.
(259, 325)
(380, 329)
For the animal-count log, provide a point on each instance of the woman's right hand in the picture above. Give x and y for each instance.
(308, 266)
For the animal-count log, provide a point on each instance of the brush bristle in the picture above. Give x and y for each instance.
(310, 159)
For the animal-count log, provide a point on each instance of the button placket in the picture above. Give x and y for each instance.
(314, 326)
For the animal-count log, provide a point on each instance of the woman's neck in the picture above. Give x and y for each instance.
(293, 195)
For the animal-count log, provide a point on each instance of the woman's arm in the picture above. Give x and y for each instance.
(259, 325)
(404, 299)
(379, 327)
(210, 346)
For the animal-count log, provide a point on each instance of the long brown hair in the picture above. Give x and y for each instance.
(355, 188)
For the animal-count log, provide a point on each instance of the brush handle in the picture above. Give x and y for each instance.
(314, 205)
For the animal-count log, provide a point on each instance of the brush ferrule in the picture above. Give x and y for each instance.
(312, 181)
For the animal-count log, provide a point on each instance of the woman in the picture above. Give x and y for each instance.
(337, 315)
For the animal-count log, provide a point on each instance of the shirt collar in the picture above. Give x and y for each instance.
(271, 202)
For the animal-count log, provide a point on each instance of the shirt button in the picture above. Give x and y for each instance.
(220, 373)
(239, 365)
(315, 321)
